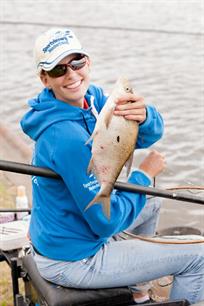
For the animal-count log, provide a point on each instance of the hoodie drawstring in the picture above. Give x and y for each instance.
(86, 125)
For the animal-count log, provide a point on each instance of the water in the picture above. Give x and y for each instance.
(159, 45)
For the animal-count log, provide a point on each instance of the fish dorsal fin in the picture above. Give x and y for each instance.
(128, 163)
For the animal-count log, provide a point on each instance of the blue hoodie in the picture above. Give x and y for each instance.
(60, 226)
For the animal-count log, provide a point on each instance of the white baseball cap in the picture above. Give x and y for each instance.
(53, 45)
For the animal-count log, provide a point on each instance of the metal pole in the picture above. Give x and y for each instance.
(15, 210)
(158, 193)
(14, 276)
(45, 172)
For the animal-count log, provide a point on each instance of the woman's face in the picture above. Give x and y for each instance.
(71, 87)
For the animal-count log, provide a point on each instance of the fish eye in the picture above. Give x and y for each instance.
(118, 138)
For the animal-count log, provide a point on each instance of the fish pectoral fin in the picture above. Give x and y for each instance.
(104, 200)
(128, 163)
(91, 137)
(108, 117)
(90, 166)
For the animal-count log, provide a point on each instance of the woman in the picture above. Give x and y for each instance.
(74, 246)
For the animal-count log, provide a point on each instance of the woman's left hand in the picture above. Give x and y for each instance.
(136, 110)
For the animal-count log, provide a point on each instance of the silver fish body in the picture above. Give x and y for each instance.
(114, 139)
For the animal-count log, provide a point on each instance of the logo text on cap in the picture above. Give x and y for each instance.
(60, 38)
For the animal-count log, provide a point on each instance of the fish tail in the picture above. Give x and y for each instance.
(105, 200)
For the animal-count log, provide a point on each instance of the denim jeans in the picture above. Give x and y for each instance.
(146, 222)
(129, 262)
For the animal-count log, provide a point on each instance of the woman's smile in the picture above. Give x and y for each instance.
(73, 85)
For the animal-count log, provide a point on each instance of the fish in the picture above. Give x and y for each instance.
(114, 139)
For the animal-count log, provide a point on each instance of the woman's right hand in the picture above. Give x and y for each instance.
(153, 164)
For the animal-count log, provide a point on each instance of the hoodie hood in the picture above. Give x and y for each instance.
(47, 110)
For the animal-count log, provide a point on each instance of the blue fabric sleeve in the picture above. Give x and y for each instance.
(151, 130)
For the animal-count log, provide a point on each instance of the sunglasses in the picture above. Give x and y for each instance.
(76, 64)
